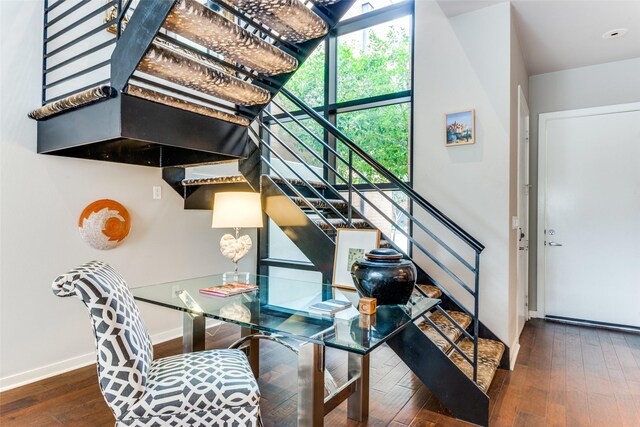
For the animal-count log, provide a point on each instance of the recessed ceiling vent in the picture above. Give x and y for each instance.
(614, 34)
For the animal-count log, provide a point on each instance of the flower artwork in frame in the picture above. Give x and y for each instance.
(351, 245)
(460, 128)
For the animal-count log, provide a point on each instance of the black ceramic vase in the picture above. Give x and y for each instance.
(385, 276)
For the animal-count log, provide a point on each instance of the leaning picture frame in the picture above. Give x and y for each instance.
(460, 128)
(351, 244)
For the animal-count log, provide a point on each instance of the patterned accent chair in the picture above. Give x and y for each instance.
(207, 388)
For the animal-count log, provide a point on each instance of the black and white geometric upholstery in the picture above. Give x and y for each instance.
(208, 388)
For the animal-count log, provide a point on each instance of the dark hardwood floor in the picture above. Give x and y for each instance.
(565, 376)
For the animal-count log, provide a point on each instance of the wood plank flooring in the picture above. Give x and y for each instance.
(565, 376)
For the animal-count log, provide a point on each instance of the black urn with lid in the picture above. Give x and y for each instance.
(384, 275)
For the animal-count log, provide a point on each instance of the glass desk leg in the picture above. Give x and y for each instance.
(310, 385)
(358, 402)
(252, 351)
(193, 332)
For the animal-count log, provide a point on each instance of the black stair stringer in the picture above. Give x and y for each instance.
(441, 376)
(251, 165)
(174, 176)
(303, 232)
(133, 44)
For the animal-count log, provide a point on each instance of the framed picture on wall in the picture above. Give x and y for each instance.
(351, 244)
(460, 128)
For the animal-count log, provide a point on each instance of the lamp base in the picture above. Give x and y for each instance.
(236, 277)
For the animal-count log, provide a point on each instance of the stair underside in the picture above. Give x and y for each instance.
(299, 182)
(338, 223)
(175, 67)
(320, 204)
(233, 179)
(290, 18)
(172, 101)
(202, 25)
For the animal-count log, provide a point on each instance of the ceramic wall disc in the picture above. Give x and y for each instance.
(104, 224)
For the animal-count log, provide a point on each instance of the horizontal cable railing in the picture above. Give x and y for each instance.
(75, 46)
(345, 173)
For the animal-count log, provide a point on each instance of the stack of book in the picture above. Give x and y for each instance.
(229, 289)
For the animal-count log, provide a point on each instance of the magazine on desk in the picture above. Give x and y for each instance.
(329, 307)
(229, 289)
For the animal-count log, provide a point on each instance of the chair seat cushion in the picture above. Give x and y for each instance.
(205, 381)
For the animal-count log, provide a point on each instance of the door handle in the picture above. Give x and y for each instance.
(555, 244)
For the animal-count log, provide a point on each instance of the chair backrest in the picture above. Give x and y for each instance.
(123, 345)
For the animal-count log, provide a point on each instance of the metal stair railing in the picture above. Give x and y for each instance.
(56, 43)
(415, 200)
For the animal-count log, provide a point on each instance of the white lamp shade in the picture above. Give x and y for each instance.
(237, 210)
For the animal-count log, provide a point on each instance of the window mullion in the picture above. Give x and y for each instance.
(330, 96)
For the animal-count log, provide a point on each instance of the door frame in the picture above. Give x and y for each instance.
(524, 146)
(543, 120)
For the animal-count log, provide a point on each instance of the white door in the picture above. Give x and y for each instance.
(522, 223)
(590, 207)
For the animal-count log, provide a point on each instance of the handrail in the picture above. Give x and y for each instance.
(442, 218)
(473, 290)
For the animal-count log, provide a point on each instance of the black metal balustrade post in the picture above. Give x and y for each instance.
(476, 317)
(44, 51)
(350, 187)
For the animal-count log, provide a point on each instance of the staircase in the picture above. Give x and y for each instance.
(181, 81)
(194, 84)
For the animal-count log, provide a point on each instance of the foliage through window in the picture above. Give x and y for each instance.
(375, 61)
(371, 89)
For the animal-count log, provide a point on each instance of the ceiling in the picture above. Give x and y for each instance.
(560, 34)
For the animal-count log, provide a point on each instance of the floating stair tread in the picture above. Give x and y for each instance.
(449, 329)
(431, 291)
(202, 25)
(71, 102)
(172, 101)
(320, 204)
(489, 355)
(233, 179)
(299, 182)
(384, 244)
(183, 70)
(338, 223)
(290, 18)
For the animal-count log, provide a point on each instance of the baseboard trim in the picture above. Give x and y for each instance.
(515, 349)
(57, 368)
(593, 324)
(534, 315)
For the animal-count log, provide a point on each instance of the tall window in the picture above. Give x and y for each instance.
(360, 79)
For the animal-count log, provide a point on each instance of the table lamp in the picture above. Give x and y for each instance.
(236, 210)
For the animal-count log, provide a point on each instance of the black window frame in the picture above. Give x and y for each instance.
(332, 108)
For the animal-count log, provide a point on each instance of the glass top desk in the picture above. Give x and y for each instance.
(279, 311)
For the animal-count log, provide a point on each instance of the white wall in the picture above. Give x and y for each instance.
(592, 86)
(41, 198)
(465, 62)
